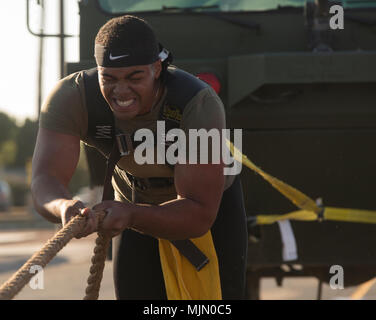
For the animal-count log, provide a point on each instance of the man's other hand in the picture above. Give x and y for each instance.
(71, 208)
(118, 218)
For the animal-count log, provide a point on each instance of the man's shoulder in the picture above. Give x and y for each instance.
(204, 110)
(182, 87)
(179, 79)
(64, 109)
(204, 101)
(71, 89)
(67, 87)
(77, 79)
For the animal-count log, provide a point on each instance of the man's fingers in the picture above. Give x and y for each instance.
(91, 223)
(85, 211)
(92, 220)
(103, 205)
(85, 232)
(99, 207)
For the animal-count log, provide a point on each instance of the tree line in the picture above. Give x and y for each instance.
(17, 142)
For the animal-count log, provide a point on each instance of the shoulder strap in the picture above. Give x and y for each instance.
(181, 88)
(108, 191)
(101, 129)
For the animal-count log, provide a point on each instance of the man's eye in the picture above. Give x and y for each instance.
(106, 79)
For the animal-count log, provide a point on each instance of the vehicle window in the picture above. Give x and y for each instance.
(126, 6)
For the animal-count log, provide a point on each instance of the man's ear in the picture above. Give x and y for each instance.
(157, 66)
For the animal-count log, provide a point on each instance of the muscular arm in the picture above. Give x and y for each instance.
(199, 189)
(54, 161)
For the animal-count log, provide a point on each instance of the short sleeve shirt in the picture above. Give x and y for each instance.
(65, 111)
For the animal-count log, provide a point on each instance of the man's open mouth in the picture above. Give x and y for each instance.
(124, 104)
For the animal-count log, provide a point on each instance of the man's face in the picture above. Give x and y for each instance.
(130, 91)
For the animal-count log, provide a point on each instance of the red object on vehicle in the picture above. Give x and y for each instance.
(210, 79)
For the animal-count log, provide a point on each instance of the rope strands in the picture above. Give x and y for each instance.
(41, 258)
(98, 261)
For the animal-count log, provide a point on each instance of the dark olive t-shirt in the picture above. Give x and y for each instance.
(65, 111)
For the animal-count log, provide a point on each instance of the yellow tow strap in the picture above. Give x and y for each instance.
(329, 213)
(310, 211)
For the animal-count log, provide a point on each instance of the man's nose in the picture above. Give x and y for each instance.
(121, 88)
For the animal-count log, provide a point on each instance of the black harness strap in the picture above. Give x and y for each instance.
(101, 123)
(108, 190)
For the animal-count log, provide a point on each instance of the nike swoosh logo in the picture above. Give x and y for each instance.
(118, 57)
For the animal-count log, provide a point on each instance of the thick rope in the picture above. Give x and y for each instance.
(98, 260)
(41, 258)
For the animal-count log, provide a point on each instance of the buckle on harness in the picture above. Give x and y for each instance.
(125, 144)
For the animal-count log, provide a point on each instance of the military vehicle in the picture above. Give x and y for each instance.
(301, 83)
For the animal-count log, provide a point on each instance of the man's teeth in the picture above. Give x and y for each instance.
(124, 103)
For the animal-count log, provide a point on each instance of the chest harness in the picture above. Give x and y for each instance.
(113, 143)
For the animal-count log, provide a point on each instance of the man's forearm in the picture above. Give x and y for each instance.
(48, 194)
(174, 220)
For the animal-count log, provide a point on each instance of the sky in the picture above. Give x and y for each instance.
(19, 53)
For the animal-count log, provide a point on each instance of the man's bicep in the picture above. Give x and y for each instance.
(202, 183)
(56, 155)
